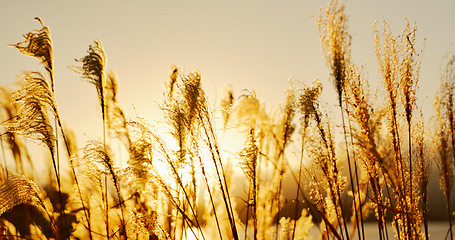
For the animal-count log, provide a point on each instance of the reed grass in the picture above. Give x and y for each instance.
(183, 183)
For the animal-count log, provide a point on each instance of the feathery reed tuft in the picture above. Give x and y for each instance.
(38, 44)
(93, 69)
(18, 189)
(33, 118)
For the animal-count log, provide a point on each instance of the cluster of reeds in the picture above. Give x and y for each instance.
(382, 174)
(140, 182)
(444, 139)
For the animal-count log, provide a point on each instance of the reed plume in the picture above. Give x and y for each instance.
(335, 44)
(101, 155)
(18, 149)
(116, 120)
(38, 44)
(226, 104)
(18, 189)
(33, 119)
(409, 75)
(93, 69)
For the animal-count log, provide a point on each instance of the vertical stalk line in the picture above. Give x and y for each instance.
(379, 210)
(255, 198)
(183, 222)
(60, 197)
(402, 193)
(336, 193)
(256, 189)
(179, 180)
(105, 175)
(4, 157)
(452, 131)
(278, 195)
(247, 212)
(185, 217)
(449, 213)
(411, 200)
(297, 202)
(57, 152)
(356, 172)
(401, 187)
(356, 213)
(57, 160)
(425, 214)
(212, 202)
(223, 184)
(357, 210)
(210, 193)
(180, 183)
(65, 141)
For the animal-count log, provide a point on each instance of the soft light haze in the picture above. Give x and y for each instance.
(248, 44)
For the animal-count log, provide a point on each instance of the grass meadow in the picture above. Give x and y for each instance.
(221, 170)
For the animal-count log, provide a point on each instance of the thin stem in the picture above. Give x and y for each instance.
(247, 212)
(65, 140)
(297, 202)
(356, 172)
(213, 205)
(278, 195)
(449, 213)
(4, 157)
(411, 200)
(425, 214)
(356, 213)
(223, 184)
(57, 160)
(105, 175)
(60, 197)
(180, 183)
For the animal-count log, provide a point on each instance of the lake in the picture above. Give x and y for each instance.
(436, 229)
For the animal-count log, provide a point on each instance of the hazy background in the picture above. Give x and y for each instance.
(248, 44)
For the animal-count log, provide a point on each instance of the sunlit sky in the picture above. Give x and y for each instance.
(248, 44)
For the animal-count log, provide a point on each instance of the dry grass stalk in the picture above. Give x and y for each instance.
(248, 164)
(116, 121)
(366, 124)
(336, 46)
(326, 181)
